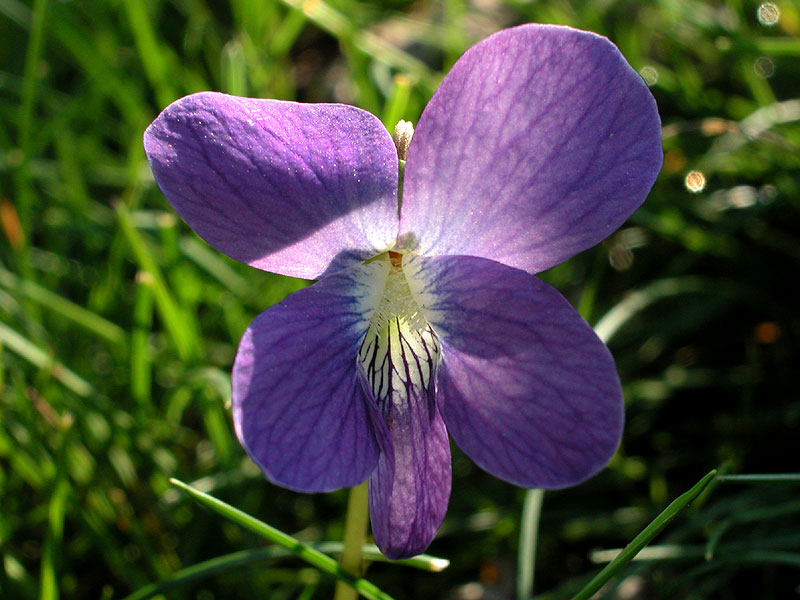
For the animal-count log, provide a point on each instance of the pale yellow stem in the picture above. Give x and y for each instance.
(355, 533)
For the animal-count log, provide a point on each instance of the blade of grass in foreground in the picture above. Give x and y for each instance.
(254, 555)
(761, 478)
(314, 557)
(641, 540)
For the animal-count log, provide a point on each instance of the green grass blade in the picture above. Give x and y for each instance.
(608, 326)
(245, 557)
(38, 357)
(640, 541)
(772, 557)
(16, 12)
(31, 88)
(141, 360)
(761, 478)
(206, 569)
(287, 33)
(215, 265)
(397, 102)
(234, 68)
(179, 326)
(69, 310)
(93, 59)
(337, 24)
(153, 55)
(423, 562)
(779, 46)
(303, 551)
(57, 510)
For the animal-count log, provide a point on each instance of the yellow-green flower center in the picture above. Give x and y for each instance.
(400, 351)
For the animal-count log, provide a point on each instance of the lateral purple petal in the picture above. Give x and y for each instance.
(538, 144)
(410, 488)
(525, 387)
(298, 406)
(281, 186)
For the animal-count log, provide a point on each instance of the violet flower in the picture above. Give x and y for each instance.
(425, 320)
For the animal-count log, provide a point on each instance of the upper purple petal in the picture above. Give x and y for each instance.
(526, 388)
(298, 406)
(538, 144)
(282, 186)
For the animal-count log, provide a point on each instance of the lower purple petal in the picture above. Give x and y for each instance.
(410, 488)
(525, 387)
(298, 406)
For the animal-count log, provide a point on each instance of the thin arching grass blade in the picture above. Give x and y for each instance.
(791, 478)
(206, 569)
(641, 540)
(62, 306)
(255, 555)
(314, 557)
(40, 358)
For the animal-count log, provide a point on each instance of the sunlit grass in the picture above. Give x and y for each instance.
(118, 326)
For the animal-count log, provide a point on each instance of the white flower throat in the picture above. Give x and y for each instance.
(400, 352)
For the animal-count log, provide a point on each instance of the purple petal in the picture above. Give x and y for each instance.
(281, 186)
(410, 487)
(539, 143)
(525, 387)
(298, 406)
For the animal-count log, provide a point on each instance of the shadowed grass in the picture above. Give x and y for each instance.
(118, 326)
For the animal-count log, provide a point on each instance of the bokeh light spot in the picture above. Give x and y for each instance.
(649, 74)
(695, 181)
(767, 332)
(764, 67)
(768, 13)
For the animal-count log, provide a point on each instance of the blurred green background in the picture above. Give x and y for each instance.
(118, 326)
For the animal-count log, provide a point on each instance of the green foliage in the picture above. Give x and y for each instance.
(118, 326)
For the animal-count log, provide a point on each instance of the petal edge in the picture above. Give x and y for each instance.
(538, 144)
(298, 407)
(526, 388)
(282, 186)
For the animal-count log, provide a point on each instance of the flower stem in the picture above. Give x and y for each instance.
(401, 171)
(528, 535)
(355, 532)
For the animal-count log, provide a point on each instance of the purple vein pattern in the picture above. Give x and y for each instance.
(534, 161)
(429, 324)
